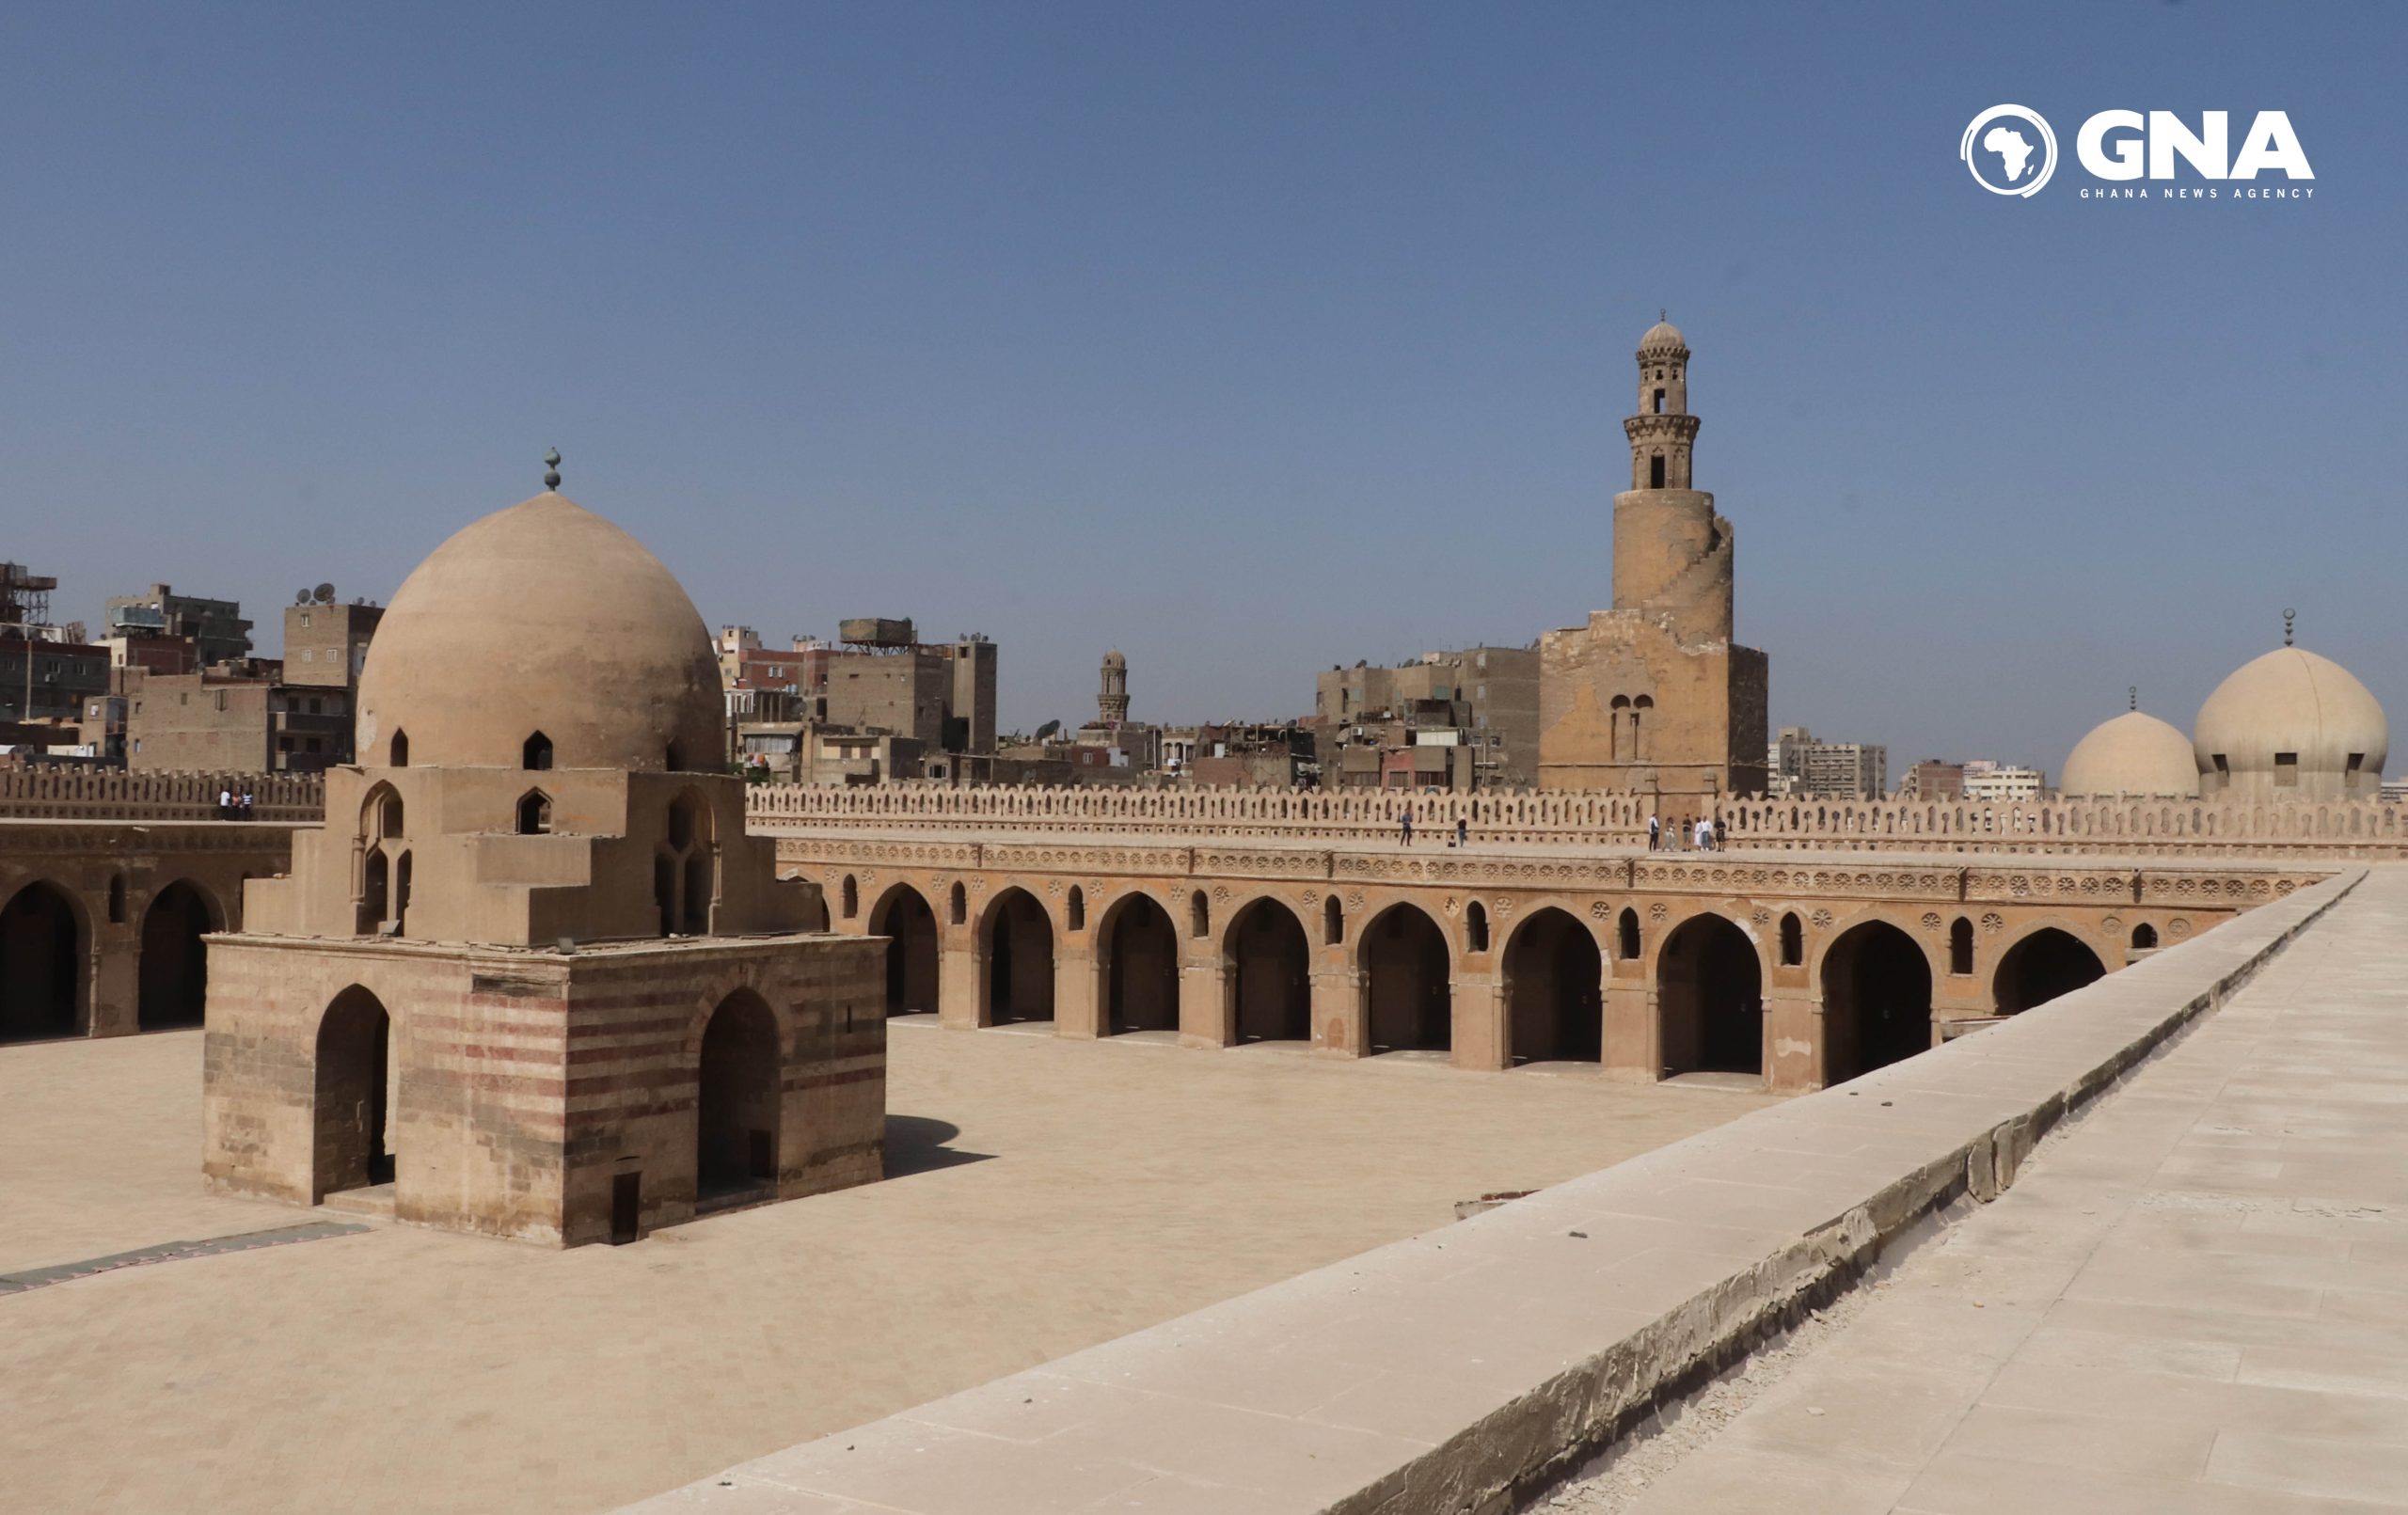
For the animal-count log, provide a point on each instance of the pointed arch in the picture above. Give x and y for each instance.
(535, 813)
(1137, 957)
(902, 916)
(1266, 971)
(351, 1111)
(1553, 990)
(397, 751)
(535, 752)
(1408, 982)
(737, 1075)
(42, 938)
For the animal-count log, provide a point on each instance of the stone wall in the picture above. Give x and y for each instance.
(110, 795)
(2354, 830)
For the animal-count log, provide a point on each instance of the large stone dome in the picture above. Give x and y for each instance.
(2132, 754)
(2292, 703)
(542, 619)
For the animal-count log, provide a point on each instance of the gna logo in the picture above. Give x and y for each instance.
(2011, 149)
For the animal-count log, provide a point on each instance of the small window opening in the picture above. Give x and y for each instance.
(960, 908)
(2287, 770)
(1626, 932)
(537, 753)
(2144, 935)
(1792, 940)
(535, 813)
(1475, 927)
(1961, 947)
(1333, 922)
(1659, 402)
(400, 751)
(852, 897)
(117, 899)
(1077, 909)
(1655, 471)
(1199, 915)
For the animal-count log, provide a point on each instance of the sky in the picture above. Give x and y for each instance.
(1250, 340)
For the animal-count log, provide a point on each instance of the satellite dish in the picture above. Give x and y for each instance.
(300, 596)
(324, 593)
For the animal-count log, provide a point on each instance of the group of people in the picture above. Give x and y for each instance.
(1705, 835)
(1404, 831)
(233, 807)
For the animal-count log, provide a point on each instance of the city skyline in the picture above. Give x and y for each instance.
(1058, 338)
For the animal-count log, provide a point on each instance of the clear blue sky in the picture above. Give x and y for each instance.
(1249, 338)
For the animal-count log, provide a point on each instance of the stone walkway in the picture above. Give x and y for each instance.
(2195, 1300)
(1050, 1195)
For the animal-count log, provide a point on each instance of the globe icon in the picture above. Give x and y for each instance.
(2009, 150)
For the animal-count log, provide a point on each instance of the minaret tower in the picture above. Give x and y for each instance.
(1671, 552)
(1111, 705)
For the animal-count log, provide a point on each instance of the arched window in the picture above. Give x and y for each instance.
(1792, 940)
(1199, 915)
(117, 899)
(852, 898)
(1333, 922)
(2144, 935)
(376, 887)
(958, 906)
(1961, 947)
(401, 893)
(398, 754)
(1626, 943)
(535, 813)
(537, 753)
(1475, 927)
(1075, 912)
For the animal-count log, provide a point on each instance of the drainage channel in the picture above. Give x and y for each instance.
(172, 1251)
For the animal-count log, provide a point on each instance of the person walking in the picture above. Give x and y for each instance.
(225, 804)
(1405, 825)
(1463, 832)
(1654, 832)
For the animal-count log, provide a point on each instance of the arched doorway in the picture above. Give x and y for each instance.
(1710, 1000)
(1554, 991)
(353, 1113)
(1267, 967)
(736, 1100)
(1140, 954)
(41, 964)
(2042, 965)
(173, 976)
(911, 929)
(1018, 940)
(1409, 992)
(1876, 1001)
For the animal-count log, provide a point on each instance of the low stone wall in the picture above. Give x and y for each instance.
(2361, 829)
(111, 795)
(1458, 1371)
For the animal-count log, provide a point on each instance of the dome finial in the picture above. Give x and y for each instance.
(1662, 314)
(2290, 615)
(2132, 697)
(552, 468)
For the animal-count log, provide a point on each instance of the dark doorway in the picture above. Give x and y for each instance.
(735, 1104)
(1266, 965)
(1020, 959)
(1710, 1000)
(1140, 968)
(172, 981)
(41, 957)
(911, 929)
(1554, 991)
(1406, 980)
(353, 1097)
(626, 1208)
(2042, 965)
(1876, 1001)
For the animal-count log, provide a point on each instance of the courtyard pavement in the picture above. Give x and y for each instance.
(1047, 1195)
(2194, 1300)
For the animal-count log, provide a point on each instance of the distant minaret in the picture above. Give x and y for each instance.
(1671, 552)
(1111, 705)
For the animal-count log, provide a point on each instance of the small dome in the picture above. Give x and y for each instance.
(2292, 701)
(1114, 659)
(1663, 337)
(542, 618)
(2132, 754)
